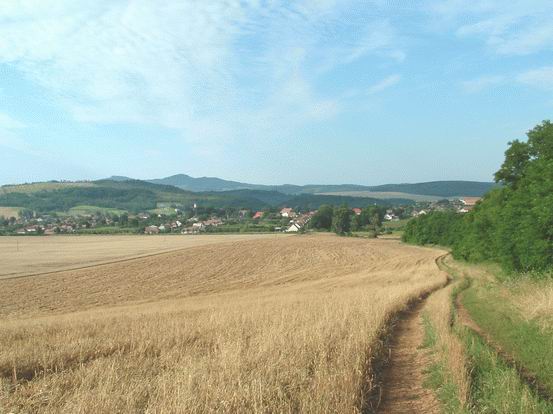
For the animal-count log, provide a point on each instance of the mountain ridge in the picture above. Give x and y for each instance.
(446, 188)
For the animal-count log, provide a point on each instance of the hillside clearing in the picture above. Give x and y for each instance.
(385, 195)
(10, 211)
(269, 325)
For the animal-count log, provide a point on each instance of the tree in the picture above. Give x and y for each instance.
(322, 218)
(516, 160)
(512, 225)
(341, 221)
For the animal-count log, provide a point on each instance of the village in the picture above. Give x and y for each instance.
(196, 220)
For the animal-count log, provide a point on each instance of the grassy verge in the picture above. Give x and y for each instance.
(493, 385)
(439, 376)
(525, 340)
(496, 387)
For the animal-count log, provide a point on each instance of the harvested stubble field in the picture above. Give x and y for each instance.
(30, 254)
(268, 325)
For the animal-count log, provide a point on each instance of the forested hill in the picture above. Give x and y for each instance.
(138, 196)
(436, 188)
(513, 225)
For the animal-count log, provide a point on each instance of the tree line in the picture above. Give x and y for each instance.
(343, 220)
(512, 225)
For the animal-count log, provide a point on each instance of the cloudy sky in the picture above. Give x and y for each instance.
(270, 91)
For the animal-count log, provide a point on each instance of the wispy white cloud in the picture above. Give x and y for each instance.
(518, 28)
(541, 78)
(482, 83)
(201, 68)
(8, 122)
(10, 129)
(379, 37)
(384, 84)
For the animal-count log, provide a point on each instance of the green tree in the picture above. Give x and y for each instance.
(516, 160)
(341, 221)
(322, 218)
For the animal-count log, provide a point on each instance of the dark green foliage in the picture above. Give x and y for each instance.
(438, 228)
(341, 220)
(64, 199)
(513, 225)
(322, 220)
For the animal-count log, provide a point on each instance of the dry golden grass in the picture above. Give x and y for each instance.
(271, 325)
(534, 300)
(25, 255)
(9, 211)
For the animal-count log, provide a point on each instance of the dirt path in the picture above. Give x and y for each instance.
(403, 379)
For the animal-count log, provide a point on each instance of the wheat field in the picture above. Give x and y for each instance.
(25, 255)
(267, 325)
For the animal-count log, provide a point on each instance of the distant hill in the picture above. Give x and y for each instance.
(205, 183)
(137, 196)
(440, 188)
(434, 189)
(124, 193)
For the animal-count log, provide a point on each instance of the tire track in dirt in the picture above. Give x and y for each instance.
(403, 378)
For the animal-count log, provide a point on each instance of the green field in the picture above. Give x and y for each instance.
(47, 186)
(90, 210)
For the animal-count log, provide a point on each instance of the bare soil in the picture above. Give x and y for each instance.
(403, 378)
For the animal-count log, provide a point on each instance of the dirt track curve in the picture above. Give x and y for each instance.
(403, 390)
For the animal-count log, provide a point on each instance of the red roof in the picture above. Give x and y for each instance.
(258, 214)
(356, 210)
(470, 201)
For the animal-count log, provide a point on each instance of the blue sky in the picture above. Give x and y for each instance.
(270, 91)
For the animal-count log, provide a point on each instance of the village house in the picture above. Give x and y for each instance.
(470, 201)
(258, 215)
(356, 211)
(151, 230)
(419, 213)
(176, 224)
(391, 217)
(294, 228)
(287, 212)
(198, 226)
(213, 222)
